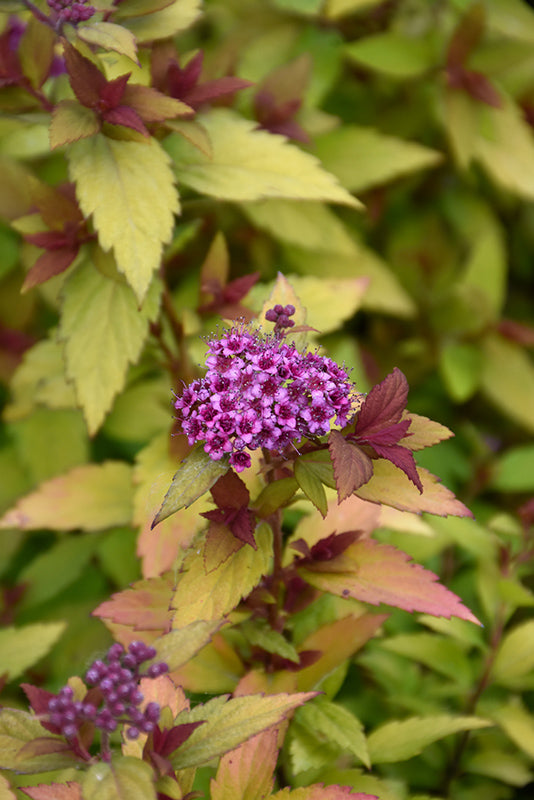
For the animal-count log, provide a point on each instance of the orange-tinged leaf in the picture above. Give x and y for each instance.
(7, 794)
(337, 641)
(390, 486)
(145, 606)
(153, 106)
(352, 467)
(319, 792)
(215, 669)
(54, 791)
(220, 545)
(248, 770)
(91, 497)
(379, 573)
(423, 432)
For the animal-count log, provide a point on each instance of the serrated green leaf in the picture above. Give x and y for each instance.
(71, 122)
(515, 656)
(397, 741)
(196, 475)
(249, 164)
(230, 722)
(165, 23)
(363, 157)
(443, 655)
(18, 729)
(332, 723)
(109, 36)
(23, 647)
(201, 596)
(124, 779)
(128, 188)
(508, 379)
(103, 331)
(90, 497)
(260, 633)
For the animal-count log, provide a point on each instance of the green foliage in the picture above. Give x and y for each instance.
(336, 620)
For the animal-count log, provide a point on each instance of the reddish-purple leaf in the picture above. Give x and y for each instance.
(384, 404)
(86, 80)
(390, 435)
(332, 546)
(181, 80)
(168, 740)
(230, 491)
(379, 573)
(112, 93)
(44, 746)
(49, 264)
(352, 467)
(240, 287)
(212, 90)
(39, 699)
(124, 115)
(51, 240)
(403, 459)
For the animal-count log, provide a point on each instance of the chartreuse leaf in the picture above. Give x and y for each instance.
(394, 54)
(518, 724)
(378, 573)
(5, 790)
(363, 157)
(390, 486)
(248, 770)
(128, 188)
(307, 7)
(260, 634)
(90, 497)
(508, 379)
(103, 331)
(164, 23)
(515, 656)
(125, 778)
(70, 122)
(493, 762)
(18, 729)
(436, 652)
(335, 9)
(514, 470)
(311, 484)
(177, 647)
(317, 791)
(461, 368)
(228, 723)
(331, 723)
(397, 741)
(249, 164)
(23, 647)
(201, 596)
(110, 36)
(196, 475)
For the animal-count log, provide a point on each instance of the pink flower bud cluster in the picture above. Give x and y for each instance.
(73, 12)
(260, 392)
(117, 677)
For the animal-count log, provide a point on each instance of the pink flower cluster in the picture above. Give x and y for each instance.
(260, 392)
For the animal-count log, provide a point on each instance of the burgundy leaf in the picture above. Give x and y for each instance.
(124, 115)
(212, 90)
(466, 36)
(182, 80)
(390, 435)
(403, 459)
(352, 467)
(39, 699)
(242, 526)
(240, 287)
(332, 546)
(51, 240)
(230, 491)
(111, 94)
(86, 80)
(517, 332)
(168, 740)
(49, 264)
(384, 404)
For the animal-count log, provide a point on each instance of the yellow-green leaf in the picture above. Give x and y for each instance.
(110, 36)
(249, 164)
(124, 779)
(518, 725)
(228, 723)
(23, 647)
(363, 157)
(397, 741)
(508, 379)
(335, 9)
(178, 646)
(128, 187)
(103, 331)
(201, 596)
(166, 22)
(515, 656)
(90, 497)
(71, 122)
(394, 54)
(17, 730)
(335, 724)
